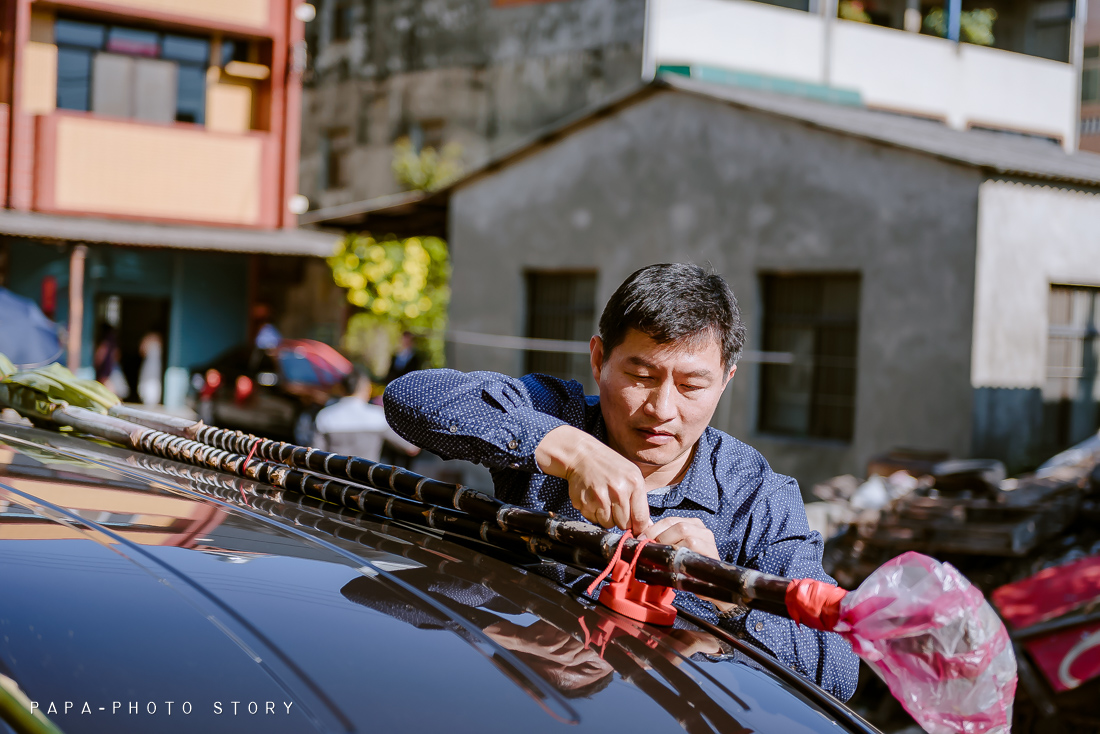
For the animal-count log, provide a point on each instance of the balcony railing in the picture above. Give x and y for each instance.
(108, 167)
(962, 84)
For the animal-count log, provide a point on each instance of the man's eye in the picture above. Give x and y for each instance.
(637, 377)
(691, 388)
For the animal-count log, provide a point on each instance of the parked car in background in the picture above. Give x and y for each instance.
(273, 393)
(139, 594)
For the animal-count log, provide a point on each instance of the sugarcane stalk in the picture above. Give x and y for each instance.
(763, 591)
(230, 489)
(678, 568)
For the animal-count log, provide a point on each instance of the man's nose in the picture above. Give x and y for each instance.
(661, 403)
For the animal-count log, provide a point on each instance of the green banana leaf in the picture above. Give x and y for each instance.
(36, 393)
(6, 367)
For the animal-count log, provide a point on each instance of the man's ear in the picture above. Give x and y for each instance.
(729, 376)
(595, 349)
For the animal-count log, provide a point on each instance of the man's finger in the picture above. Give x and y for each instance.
(673, 536)
(597, 507)
(620, 508)
(655, 529)
(639, 511)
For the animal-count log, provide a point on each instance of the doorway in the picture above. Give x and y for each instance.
(133, 318)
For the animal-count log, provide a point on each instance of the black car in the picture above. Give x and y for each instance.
(273, 393)
(138, 595)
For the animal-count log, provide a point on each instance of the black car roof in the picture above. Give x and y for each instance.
(128, 580)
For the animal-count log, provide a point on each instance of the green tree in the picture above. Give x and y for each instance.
(426, 169)
(400, 285)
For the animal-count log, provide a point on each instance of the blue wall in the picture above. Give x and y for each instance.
(208, 291)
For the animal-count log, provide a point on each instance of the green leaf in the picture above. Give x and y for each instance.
(36, 393)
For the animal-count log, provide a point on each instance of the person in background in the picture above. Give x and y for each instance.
(106, 359)
(152, 367)
(406, 359)
(267, 336)
(354, 426)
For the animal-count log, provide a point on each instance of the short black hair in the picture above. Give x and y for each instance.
(671, 302)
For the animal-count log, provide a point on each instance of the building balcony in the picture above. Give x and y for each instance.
(962, 84)
(175, 172)
(254, 15)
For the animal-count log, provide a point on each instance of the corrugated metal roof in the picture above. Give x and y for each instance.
(147, 234)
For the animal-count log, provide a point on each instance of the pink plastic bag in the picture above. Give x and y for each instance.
(938, 644)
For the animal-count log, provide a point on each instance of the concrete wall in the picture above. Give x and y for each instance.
(492, 75)
(678, 177)
(1029, 237)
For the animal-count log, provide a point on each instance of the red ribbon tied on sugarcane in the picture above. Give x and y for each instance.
(814, 603)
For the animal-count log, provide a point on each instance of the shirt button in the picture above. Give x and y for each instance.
(454, 429)
(759, 626)
(513, 444)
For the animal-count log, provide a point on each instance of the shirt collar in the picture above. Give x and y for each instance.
(699, 484)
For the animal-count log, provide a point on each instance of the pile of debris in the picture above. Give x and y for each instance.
(994, 528)
(1031, 544)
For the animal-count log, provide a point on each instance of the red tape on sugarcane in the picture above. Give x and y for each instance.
(814, 603)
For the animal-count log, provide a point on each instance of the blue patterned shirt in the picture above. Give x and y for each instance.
(757, 516)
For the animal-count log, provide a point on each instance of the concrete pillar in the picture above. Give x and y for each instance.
(76, 303)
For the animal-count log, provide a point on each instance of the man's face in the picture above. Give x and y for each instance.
(657, 399)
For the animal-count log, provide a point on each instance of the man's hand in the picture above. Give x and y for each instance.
(690, 533)
(683, 532)
(605, 487)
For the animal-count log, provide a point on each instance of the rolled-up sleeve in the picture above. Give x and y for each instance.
(483, 417)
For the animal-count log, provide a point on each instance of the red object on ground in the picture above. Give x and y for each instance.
(1050, 593)
(1069, 657)
(633, 598)
(814, 603)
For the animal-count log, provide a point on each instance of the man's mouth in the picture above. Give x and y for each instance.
(656, 435)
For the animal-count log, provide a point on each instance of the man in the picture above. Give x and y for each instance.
(641, 455)
(353, 426)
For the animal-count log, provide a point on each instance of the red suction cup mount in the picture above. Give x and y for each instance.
(630, 597)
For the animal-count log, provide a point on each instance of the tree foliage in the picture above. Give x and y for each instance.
(400, 285)
(426, 169)
(975, 26)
